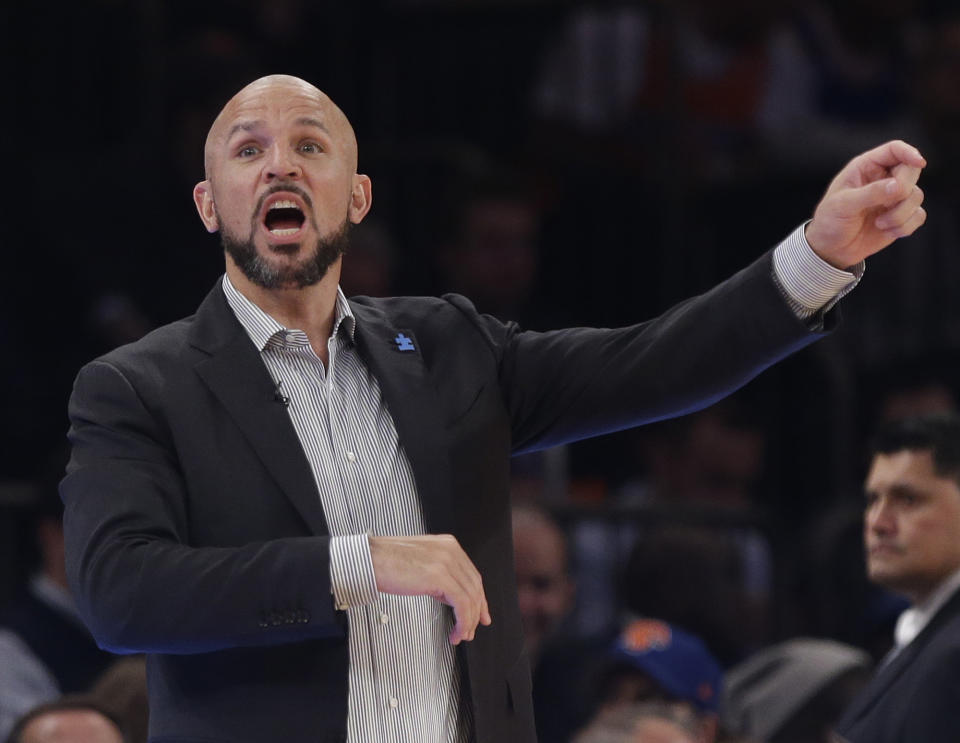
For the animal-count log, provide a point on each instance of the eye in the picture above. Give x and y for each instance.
(248, 150)
(310, 148)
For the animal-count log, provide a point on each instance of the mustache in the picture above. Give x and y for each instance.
(893, 546)
(287, 186)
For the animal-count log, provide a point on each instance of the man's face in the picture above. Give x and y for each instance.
(911, 523)
(544, 590)
(281, 183)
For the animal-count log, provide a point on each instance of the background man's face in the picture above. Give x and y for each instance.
(911, 523)
(544, 590)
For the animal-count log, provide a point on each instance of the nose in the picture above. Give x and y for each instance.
(880, 518)
(281, 164)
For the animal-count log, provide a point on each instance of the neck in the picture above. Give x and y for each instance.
(941, 590)
(310, 309)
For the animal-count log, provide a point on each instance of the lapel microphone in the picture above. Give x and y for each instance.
(279, 397)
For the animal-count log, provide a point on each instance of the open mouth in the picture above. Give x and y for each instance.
(284, 218)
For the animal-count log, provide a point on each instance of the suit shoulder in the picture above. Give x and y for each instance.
(159, 347)
(427, 313)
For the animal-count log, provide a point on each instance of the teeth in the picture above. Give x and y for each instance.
(283, 205)
(285, 231)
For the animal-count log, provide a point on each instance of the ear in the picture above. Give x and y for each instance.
(203, 198)
(361, 198)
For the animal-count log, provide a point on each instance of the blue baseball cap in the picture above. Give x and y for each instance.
(677, 661)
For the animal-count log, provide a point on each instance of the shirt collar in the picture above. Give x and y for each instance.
(913, 620)
(263, 329)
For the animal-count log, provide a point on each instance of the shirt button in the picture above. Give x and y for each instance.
(351, 457)
(394, 702)
(384, 618)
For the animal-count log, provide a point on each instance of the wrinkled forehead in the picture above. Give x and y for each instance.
(277, 98)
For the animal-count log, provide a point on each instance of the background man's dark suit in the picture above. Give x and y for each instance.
(194, 527)
(916, 696)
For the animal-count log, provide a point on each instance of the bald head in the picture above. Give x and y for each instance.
(243, 109)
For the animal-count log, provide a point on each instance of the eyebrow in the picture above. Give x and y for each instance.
(309, 121)
(243, 126)
(248, 126)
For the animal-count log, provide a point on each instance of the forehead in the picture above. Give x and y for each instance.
(907, 468)
(276, 104)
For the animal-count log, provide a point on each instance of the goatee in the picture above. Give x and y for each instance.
(306, 272)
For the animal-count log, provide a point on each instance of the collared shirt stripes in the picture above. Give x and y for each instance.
(366, 487)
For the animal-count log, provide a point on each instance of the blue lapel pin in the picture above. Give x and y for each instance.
(403, 343)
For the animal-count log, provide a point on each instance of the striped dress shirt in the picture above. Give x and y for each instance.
(404, 682)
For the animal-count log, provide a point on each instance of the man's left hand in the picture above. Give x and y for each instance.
(873, 201)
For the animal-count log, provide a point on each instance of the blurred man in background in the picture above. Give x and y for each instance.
(912, 536)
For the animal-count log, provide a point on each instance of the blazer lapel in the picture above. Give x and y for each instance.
(393, 355)
(895, 667)
(878, 685)
(236, 375)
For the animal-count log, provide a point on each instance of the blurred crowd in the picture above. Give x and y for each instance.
(558, 163)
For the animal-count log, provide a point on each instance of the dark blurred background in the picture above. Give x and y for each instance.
(559, 163)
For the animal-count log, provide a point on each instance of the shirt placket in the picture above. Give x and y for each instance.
(344, 423)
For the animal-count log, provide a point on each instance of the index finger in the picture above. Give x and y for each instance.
(894, 153)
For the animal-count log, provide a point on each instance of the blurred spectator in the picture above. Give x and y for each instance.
(72, 719)
(793, 692)
(545, 589)
(652, 661)
(833, 591)
(46, 650)
(912, 540)
(545, 594)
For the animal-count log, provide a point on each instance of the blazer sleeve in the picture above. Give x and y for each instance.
(567, 385)
(139, 586)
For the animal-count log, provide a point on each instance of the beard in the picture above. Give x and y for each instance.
(305, 272)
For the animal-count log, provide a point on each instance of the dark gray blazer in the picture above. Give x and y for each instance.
(194, 528)
(916, 696)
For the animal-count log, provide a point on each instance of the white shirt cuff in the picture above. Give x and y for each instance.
(352, 580)
(810, 284)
